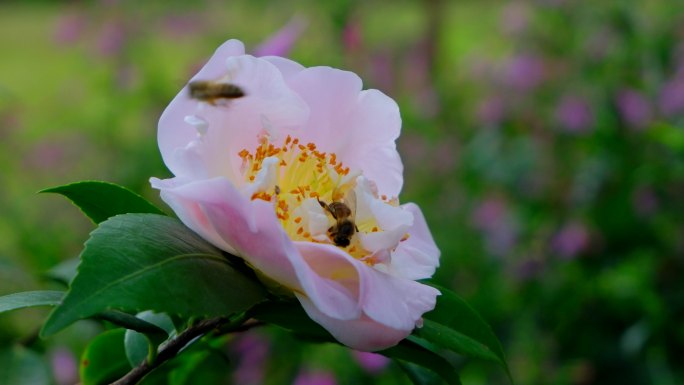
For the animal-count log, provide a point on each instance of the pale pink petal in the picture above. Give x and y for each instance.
(288, 68)
(418, 256)
(250, 229)
(393, 301)
(269, 107)
(376, 124)
(359, 126)
(170, 135)
(361, 334)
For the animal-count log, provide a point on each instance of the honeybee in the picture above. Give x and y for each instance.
(210, 91)
(343, 212)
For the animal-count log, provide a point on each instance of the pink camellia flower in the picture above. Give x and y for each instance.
(253, 177)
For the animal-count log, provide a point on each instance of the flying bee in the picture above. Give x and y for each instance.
(211, 91)
(343, 213)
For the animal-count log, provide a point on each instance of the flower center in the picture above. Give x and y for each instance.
(312, 192)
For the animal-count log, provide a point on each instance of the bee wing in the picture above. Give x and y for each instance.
(350, 201)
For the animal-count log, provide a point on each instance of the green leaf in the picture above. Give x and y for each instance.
(292, 317)
(141, 346)
(104, 359)
(103, 200)
(64, 272)
(137, 262)
(207, 366)
(413, 353)
(456, 326)
(20, 366)
(419, 375)
(30, 299)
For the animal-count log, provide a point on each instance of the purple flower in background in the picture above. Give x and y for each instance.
(352, 38)
(634, 108)
(524, 72)
(111, 39)
(575, 115)
(317, 377)
(494, 219)
(671, 100)
(489, 212)
(382, 71)
(515, 18)
(444, 157)
(183, 24)
(490, 111)
(417, 76)
(69, 28)
(64, 366)
(644, 201)
(372, 363)
(252, 351)
(281, 42)
(529, 268)
(571, 239)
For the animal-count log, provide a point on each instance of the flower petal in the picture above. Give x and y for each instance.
(361, 334)
(170, 135)
(271, 107)
(288, 68)
(418, 256)
(222, 215)
(359, 126)
(395, 304)
(393, 301)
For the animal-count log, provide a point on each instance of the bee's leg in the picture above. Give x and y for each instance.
(326, 207)
(356, 227)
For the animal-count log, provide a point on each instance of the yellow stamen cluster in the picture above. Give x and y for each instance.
(303, 172)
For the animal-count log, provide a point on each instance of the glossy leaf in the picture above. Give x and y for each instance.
(290, 316)
(456, 326)
(64, 272)
(103, 200)
(420, 375)
(141, 346)
(131, 322)
(104, 359)
(207, 366)
(30, 299)
(138, 262)
(413, 353)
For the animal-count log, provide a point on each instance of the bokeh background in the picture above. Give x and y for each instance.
(544, 140)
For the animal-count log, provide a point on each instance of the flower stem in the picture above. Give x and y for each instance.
(171, 349)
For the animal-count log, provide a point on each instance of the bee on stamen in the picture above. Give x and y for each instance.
(343, 213)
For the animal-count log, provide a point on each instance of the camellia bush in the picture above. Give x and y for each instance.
(286, 200)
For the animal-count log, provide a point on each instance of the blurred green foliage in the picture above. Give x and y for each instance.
(544, 141)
